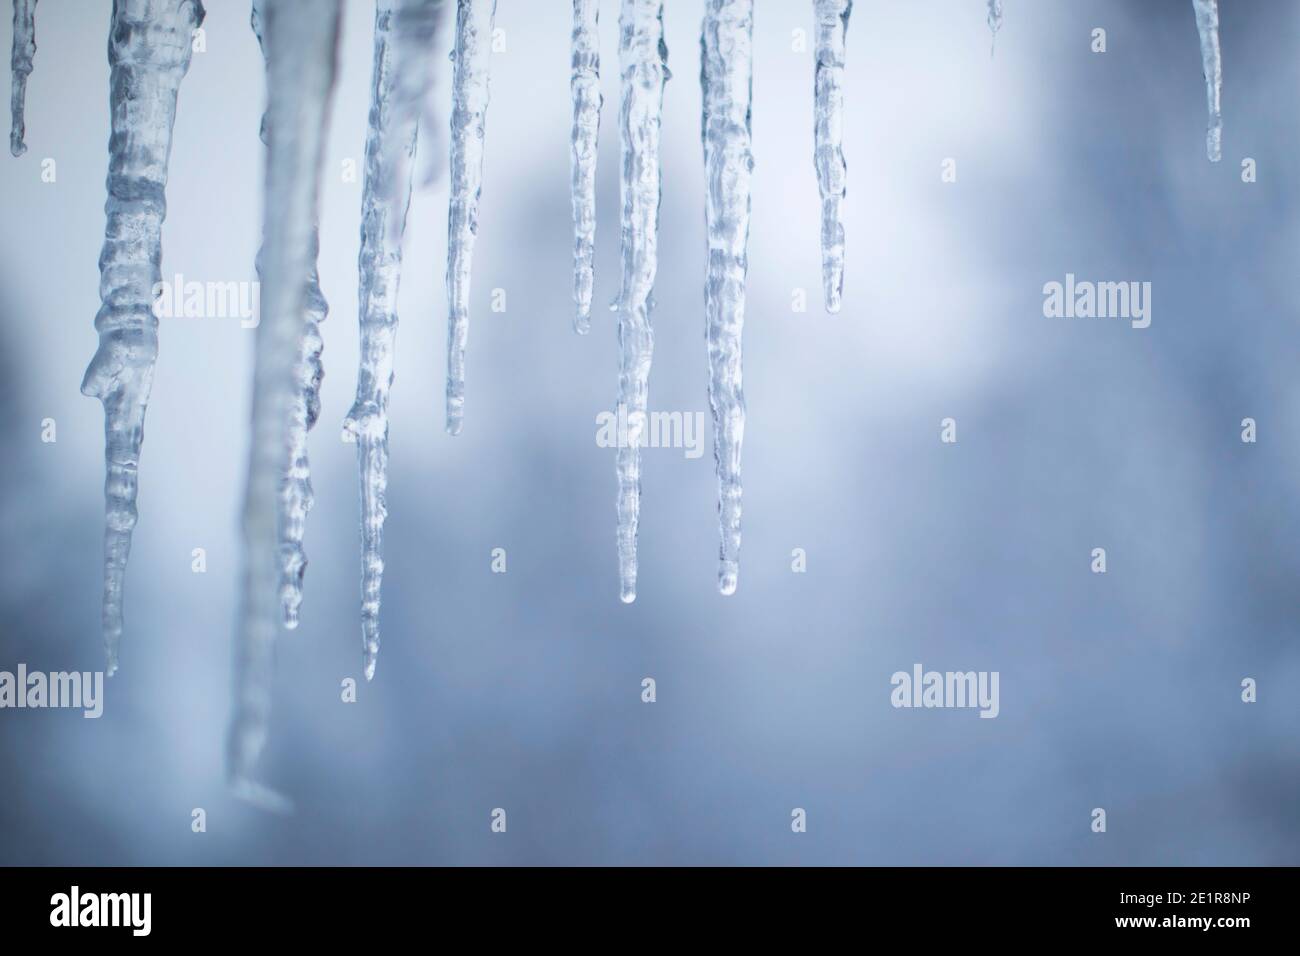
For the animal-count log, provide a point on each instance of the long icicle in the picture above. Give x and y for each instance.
(474, 19)
(148, 54)
(726, 78)
(1207, 24)
(584, 87)
(405, 32)
(296, 496)
(832, 25)
(301, 43)
(643, 63)
(24, 50)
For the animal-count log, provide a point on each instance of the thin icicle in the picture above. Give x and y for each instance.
(1207, 24)
(995, 23)
(404, 40)
(643, 63)
(832, 25)
(584, 86)
(726, 75)
(474, 19)
(148, 55)
(301, 40)
(24, 50)
(296, 496)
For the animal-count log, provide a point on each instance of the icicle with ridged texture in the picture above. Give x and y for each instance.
(584, 87)
(296, 496)
(1207, 25)
(301, 41)
(404, 39)
(726, 74)
(995, 23)
(474, 19)
(148, 55)
(832, 25)
(24, 50)
(643, 65)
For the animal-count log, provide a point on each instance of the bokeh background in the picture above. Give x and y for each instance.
(522, 690)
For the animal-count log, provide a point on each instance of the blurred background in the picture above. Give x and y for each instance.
(522, 690)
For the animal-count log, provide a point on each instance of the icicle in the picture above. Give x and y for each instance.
(584, 85)
(726, 54)
(995, 23)
(1207, 24)
(296, 497)
(643, 63)
(404, 39)
(474, 19)
(301, 41)
(24, 50)
(148, 55)
(832, 24)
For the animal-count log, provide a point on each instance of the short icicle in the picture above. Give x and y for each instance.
(726, 54)
(643, 64)
(995, 23)
(148, 55)
(584, 86)
(296, 496)
(405, 31)
(474, 19)
(301, 48)
(24, 50)
(832, 25)
(1207, 24)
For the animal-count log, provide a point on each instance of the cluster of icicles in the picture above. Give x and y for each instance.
(149, 54)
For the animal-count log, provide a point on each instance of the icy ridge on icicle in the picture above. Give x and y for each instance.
(296, 496)
(405, 32)
(474, 19)
(832, 25)
(584, 87)
(148, 55)
(20, 61)
(643, 65)
(1207, 25)
(726, 79)
(301, 41)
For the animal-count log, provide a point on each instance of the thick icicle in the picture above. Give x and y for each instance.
(296, 497)
(301, 40)
(726, 55)
(24, 50)
(995, 22)
(404, 39)
(643, 63)
(832, 25)
(474, 19)
(1207, 24)
(148, 55)
(584, 85)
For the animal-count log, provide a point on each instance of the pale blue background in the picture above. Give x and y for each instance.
(522, 690)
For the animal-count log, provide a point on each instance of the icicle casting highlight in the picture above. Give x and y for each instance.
(405, 31)
(20, 61)
(296, 496)
(148, 55)
(474, 19)
(832, 25)
(1207, 25)
(643, 63)
(301, 39)
(726, 76)
(584, 87)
